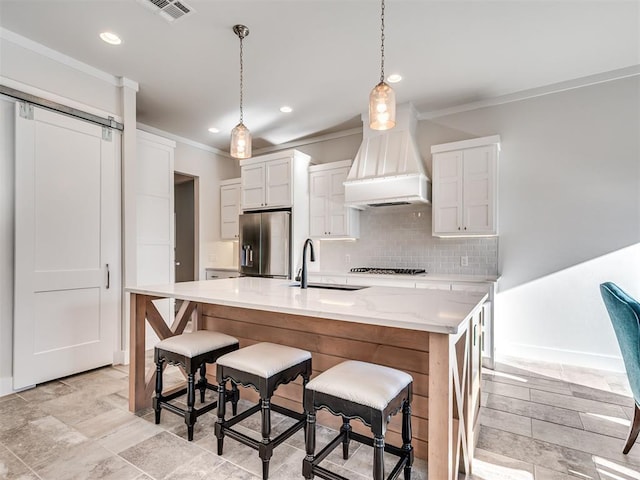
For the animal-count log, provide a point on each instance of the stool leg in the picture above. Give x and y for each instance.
(221, 412)
(202, 384)
(346, 439)
(190, 414)
(406, 439)
(310, 445)
(158, 397)
(235, 396)
(378, 458)
(266, 449)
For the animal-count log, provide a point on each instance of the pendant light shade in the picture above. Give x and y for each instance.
(240, 141)
(382, 107)
(382, 100)
(240, 135)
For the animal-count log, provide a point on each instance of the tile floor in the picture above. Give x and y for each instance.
(539, 421)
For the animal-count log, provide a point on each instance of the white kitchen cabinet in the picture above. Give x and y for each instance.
(465, 187)
(328, 215)
(218, 273)
(229, 209)
(268, 181)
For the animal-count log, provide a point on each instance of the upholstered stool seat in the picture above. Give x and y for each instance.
(192, 351)
(371, 393)
(263, 367)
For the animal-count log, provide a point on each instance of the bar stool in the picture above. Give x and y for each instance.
(263, 366)
(192, 351)
(370, 393)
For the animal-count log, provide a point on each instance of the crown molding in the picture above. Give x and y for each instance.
(589, 80)
(128, 83)
(178, 138)
(309, 141)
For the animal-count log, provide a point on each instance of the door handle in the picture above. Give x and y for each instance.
(108, 277)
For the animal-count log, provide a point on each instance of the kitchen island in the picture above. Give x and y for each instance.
(432, 335)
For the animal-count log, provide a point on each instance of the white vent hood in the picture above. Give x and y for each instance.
(388, 169)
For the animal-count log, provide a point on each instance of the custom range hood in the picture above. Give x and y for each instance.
(388, 169)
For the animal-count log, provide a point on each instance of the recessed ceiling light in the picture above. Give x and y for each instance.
(286, 109)
(214, 130)
(394, 78)
(110, 38)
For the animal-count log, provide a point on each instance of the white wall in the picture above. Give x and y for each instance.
(210, 168)
(342, 148)
(569, 215)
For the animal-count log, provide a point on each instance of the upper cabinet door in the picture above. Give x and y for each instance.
(464, 188)
(253, 187)
(278, 183)
(229, 210)
(447, 192)
(328, 215)
(479, 190)
(337, 212)
(318, 203)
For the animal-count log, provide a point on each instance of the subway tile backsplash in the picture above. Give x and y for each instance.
(400, 237)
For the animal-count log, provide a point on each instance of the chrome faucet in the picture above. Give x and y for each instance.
(312, 257)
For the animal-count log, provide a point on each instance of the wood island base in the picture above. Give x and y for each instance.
(445, 368)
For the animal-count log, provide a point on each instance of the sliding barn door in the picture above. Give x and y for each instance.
(67, 263)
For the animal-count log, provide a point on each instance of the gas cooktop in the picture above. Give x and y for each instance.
(388, 271)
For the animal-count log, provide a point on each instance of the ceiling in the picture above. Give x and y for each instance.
(322, 57)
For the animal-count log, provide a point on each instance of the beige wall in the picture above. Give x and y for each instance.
(569, 215)
(210, 168)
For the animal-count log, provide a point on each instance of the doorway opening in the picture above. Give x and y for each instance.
(186, 227)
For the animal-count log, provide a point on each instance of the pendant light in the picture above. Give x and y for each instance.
(382, 99)
(240, 135)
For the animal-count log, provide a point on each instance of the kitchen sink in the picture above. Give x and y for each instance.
(331, 286)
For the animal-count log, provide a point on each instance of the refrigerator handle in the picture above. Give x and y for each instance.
(246, 259)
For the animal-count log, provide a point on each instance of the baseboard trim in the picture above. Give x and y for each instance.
(6, 386)
(121, 357)
(566, 357)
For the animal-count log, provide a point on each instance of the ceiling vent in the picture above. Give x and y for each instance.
(170, 10)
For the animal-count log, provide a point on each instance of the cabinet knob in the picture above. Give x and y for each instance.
(458, 228)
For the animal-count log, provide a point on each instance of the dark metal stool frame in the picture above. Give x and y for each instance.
(191, 366)
(374, 418)
(265, 388)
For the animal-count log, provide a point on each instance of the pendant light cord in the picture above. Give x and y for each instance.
(241, 76)
(382, 44)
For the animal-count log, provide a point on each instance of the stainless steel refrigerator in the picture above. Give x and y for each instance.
(265, 239)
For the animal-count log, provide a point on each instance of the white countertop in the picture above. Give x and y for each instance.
(415, 309)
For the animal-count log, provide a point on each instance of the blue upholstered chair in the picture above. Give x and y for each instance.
(625, 317)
